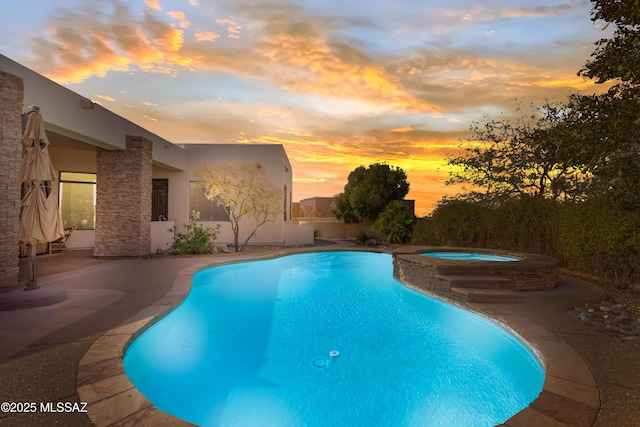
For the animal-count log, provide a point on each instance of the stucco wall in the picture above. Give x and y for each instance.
(67, 159)
(298, 235)
(161, 236)
(272, 157)
(11, 97)
(334, 228)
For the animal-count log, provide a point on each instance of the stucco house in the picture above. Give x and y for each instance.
(120, 184)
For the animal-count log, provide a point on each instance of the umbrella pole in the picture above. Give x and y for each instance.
(32, 267)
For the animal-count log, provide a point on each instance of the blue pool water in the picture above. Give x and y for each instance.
(328, 339)
(469, 256)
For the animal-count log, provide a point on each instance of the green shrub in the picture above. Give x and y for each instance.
(395, 223)
(525, 224)
(458, 223)
(601, 238)
(370, 234)
(423, 232)
(196, 239)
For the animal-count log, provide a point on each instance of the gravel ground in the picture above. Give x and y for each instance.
(629, 296)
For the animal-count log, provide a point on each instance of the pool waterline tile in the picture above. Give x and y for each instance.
(567, 377)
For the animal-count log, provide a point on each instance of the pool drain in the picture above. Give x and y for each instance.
(323, 362)
(320, 362)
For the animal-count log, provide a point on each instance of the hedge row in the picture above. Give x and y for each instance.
(598, 237)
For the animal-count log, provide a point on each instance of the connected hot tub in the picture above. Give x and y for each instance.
(470, 256)
(448, 270)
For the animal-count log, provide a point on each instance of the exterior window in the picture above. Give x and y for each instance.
(160, 199)
(284, 208)
(78, 199)
(209, 210)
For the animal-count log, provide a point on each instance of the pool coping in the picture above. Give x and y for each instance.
(569, 395)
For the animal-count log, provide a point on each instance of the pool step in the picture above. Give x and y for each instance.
(464, 270)
(476, 282)
(488, 295)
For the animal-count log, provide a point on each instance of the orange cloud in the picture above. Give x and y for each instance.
(225, 22)
(177, 15)
(153, 4)
(205, 36)
(180, 16)
(233, 28)
(309, 180)
(78, 48)
(106, 98)
(308, 65)
(570, 82)
(402, 129)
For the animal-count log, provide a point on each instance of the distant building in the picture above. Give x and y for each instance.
(316, 207)
(411, 205)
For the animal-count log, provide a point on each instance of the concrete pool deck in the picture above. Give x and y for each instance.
(71, 351)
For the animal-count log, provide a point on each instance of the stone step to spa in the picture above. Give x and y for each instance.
(464, 270)
(488, 295)
(476, 282)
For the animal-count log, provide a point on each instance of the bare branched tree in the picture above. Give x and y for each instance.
(244, 191)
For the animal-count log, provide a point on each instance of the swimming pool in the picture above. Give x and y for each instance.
(470, 256)
(328, 338)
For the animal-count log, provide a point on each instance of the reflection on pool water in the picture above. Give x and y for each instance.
(328, 339)
(469, 256)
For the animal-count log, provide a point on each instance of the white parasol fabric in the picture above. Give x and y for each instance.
(40, 221)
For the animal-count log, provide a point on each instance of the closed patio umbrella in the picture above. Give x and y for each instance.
(40, 220)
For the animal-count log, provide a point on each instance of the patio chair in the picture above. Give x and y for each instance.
(61, 244)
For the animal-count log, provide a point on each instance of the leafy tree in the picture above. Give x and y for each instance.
(395, 222)
(609, 123)
(368, 191)
(530, 154)
(617, 58)
(245, 192)
(605, 129)
(586, 147)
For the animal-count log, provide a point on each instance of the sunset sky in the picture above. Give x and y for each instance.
(338, 83)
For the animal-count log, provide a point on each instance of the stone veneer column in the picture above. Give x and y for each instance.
(123, 200)
(11, 98)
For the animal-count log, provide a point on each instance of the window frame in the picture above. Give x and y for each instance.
(62, 181)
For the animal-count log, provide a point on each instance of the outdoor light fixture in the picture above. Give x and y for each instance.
(87, 104)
